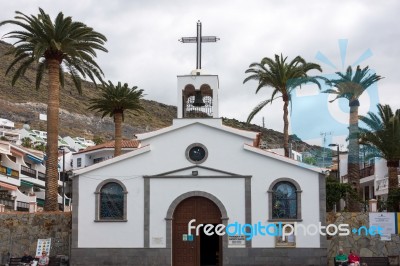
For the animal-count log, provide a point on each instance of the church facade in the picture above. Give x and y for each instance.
(198, 193)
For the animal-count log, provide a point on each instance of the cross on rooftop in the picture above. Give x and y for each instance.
(199, 39)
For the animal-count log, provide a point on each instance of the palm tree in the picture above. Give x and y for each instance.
(351, 86)
(26, 142)
(54, 47)
(383, 134)
(283, 77)
(114, 101)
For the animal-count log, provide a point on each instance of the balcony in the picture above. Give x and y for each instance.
(9, 172)
(367, 171)
(364, 172)
(41, 176)
(28, 171)
(32, 173)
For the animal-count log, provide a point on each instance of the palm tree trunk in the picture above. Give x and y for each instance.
(118, 134)
(393, 183)
(285, 126)
(53, 102)
(393, 177)
(353, 164)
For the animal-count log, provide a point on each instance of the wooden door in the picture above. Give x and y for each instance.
(187, 253)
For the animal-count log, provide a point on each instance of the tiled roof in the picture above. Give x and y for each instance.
(126, 144)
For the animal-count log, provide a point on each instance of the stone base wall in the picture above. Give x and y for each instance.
(275, 256)
(120, 256)
(20, 231)
(231, 256)
(365, 246)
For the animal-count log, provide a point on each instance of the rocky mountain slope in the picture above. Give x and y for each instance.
(23, 104)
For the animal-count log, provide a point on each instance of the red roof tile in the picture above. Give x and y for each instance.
(126, 144)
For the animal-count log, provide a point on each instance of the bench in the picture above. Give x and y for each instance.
(375, 261)
(53, 261)
(371, 261)
(14, 261)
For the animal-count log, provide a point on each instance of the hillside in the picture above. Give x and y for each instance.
(23, 104)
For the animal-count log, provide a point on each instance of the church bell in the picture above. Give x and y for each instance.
(198, 100)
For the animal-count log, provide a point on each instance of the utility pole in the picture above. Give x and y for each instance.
(338, 160)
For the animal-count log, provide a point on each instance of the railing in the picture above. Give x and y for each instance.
(367, 171)
(9, 172)
(41, 176)
(28, 171)
(9, 204)
(22, 206)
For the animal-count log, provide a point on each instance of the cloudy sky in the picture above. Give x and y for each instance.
(144, 49)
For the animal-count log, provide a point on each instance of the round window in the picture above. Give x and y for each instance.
(196, 153)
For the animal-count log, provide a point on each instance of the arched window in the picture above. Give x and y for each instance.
(284, 200)
(111, 201)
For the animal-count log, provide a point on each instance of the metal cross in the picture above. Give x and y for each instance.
(199, 39)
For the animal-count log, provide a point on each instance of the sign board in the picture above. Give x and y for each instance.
(43, 117)
(186, 237)
(237, 241)
(157, 240)
(43, 245)
(385, 220)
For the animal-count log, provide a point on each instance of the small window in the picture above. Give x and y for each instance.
(79, 162)
(111, 201)
(284, 198)
(284, 201)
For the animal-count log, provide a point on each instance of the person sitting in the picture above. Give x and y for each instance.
(26, 259)
(354, 260)
(341, 258)
(43, 260)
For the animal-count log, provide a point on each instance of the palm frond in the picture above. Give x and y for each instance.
(382, 132)
(61, 39)
(117, 99)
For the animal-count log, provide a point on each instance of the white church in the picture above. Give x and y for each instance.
(137, 208)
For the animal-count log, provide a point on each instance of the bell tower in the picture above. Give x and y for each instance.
(198, 96)
(198, 92)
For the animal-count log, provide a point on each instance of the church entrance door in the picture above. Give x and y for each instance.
(203, 250)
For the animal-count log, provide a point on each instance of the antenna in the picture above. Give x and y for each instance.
(323, 135)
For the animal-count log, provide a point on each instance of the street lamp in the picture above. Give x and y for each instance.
(338, 160)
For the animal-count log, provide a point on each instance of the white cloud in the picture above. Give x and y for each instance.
(144, 49)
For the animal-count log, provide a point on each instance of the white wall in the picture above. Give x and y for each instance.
(225, 152)
(111, 234)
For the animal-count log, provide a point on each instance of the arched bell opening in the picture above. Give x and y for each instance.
(197, 103)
